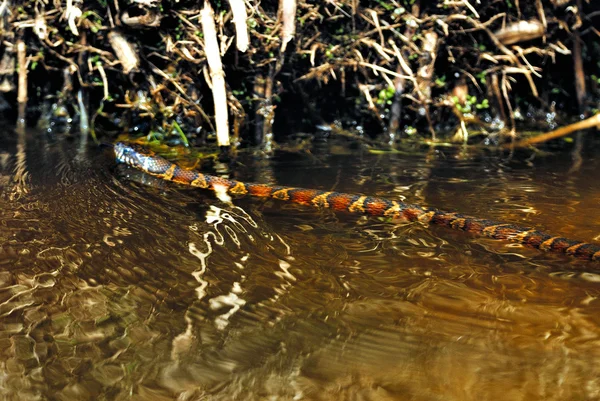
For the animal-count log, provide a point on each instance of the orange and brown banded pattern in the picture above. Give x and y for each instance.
(145, 160)
(341, 202)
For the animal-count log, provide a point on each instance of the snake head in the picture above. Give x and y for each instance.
(139, 157)
(130, 154)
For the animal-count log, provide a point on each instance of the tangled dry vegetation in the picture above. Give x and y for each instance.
(230, 70)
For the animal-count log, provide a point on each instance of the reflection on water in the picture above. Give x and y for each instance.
(114, 289)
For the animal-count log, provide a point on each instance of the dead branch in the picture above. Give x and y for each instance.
(581, 125)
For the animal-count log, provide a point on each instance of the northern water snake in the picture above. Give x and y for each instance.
(150, 163)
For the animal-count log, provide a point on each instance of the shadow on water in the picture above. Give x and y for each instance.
(114, 289)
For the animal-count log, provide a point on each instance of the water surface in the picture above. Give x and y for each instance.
(114, 286)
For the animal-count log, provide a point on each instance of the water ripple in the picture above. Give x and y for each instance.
(115, 285)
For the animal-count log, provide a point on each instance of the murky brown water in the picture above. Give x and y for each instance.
(112, 290)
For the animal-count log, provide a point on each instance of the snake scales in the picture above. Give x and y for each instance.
(150, 163)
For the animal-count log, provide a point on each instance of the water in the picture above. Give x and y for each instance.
(113, 289)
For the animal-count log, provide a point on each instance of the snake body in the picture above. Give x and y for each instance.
(140, 158)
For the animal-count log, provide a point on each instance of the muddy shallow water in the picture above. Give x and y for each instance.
(113, 289)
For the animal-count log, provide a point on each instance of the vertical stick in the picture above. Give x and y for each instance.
(400, 84)
(396, 108)
(268, 109)
(82, 93)
(425, 74)
(22, 89)
(578, 65)
(580, 89)
(258, 92)
(287, 8)
(211, 48)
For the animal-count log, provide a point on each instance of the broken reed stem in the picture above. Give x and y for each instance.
(581, 125)
(124, 51)
(217, 76)
(288, 17)
(240, 15)
(22, 89)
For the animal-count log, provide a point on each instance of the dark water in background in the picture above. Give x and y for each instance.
(111, 289)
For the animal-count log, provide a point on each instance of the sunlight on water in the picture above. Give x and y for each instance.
(115, 285)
